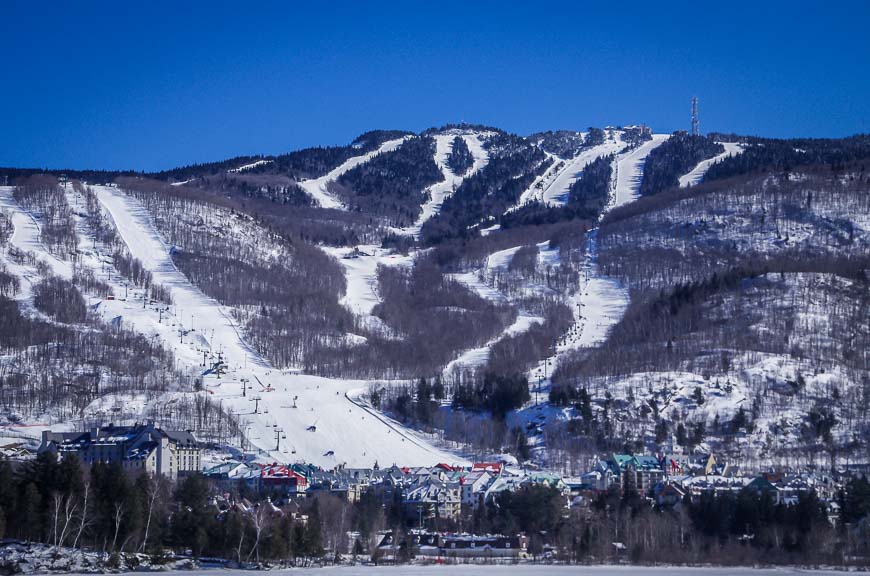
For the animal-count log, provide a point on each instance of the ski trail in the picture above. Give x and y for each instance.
(26, 236)
(345, 429)
(317, 188)
(628, 171)
(600, 302)
(440, 191)
(475, 357)
(360, 265)
(250, 166)
(694, 177)
(556, 193)
(535, 189)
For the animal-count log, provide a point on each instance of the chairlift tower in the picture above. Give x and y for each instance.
(696, 123)
(278, 433)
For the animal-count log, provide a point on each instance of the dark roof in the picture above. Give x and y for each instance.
(181, 437)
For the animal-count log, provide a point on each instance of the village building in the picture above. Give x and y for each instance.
(138, 448)
(431, 498)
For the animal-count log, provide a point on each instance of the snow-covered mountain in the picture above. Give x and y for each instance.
(458, 293)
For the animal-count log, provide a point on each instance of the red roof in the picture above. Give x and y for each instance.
(279, 471)
(486, 467)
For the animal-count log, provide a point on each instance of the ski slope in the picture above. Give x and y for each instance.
(694, 177)
(628, 171)
(533, 192)
(599, 303)
(26, 236)
(441, 190)
(476, 357)
(360, 265)
(317, 188)
(556, 193)
(346, 429)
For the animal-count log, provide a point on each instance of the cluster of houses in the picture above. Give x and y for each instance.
(435, 493)
(669, 480)
(427, 493)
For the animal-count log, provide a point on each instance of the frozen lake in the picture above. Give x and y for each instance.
(514, 570)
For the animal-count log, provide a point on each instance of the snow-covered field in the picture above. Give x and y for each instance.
(317, 187)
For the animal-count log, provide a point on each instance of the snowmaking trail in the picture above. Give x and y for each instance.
(288, 416)
(317, 188)
(695, 177)
(543, 180)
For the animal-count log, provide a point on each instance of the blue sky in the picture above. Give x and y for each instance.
(152, 85)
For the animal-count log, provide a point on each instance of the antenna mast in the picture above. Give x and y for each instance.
(696, 124)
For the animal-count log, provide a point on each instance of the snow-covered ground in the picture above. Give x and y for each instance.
(197, 327)
(317, 187)
(476, 282)
(694, 177)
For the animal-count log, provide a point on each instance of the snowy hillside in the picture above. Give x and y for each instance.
(570, 292)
